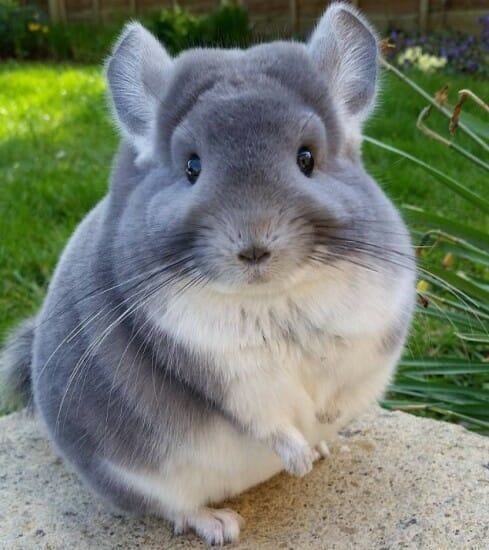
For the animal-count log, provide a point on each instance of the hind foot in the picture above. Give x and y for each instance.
(214, 526)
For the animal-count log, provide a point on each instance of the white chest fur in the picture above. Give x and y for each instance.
(319, 339)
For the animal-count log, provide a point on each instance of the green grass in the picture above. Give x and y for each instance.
(56, 145)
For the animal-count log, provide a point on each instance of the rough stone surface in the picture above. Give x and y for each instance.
(392, 481)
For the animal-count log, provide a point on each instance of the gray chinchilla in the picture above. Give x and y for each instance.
(243, 290)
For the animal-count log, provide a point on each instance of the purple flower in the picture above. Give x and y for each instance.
(484, 20)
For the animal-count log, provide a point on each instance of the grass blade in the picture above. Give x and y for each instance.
(449, 366)
(441, 391)
(475, 337)
(460, 321)
(464, 286)
(474, 236)
(475, 199)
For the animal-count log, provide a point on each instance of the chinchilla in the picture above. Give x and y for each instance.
(243, 290)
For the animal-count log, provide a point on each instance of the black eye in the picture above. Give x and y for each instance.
(193, 168)
(305, 161)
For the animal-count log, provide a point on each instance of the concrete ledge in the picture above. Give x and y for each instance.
(393, 481)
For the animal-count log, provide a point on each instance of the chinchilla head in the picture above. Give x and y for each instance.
(248, 171)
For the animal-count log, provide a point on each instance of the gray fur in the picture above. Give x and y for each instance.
(108, 383)
(15, 367)
(136, 76)
(345, 47)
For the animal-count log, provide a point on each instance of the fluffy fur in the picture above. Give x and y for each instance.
(15, 367)
(170, 373)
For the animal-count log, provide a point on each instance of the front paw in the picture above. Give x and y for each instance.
(296, 453)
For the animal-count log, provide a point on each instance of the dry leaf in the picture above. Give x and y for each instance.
(448, 260)
(441, 96)
(385, 46)
(456, 114)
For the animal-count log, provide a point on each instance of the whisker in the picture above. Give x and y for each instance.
(94, 346)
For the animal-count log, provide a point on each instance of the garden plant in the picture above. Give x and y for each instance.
(453, 288)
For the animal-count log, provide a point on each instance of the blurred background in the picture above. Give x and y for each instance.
(427, 145)
(81, 30)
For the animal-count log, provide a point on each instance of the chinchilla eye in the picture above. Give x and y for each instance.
(193, 168)
(305, 161)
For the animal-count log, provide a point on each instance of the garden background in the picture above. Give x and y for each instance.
(57, 141)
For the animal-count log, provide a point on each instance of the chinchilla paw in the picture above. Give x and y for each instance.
(296, 453)
(216, 526)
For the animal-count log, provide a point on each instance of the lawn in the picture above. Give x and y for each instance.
(57, 141)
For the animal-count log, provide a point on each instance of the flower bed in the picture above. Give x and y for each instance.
(451, 51)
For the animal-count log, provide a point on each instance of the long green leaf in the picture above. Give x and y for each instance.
(460, 400)
(404, 404)
(461, 284)
(439, 409)
(450, 412)
(442, 366)
(445, 390)
(474, 411)
(415, 214)
(476, 124)
(480, 317)
(469, 195)
(480, 411)
(476, 337)
(478, 257)
(461, 321)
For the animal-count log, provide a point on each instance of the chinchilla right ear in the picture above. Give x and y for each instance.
(137, 72)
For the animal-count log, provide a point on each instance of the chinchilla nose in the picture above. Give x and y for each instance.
(254, 254)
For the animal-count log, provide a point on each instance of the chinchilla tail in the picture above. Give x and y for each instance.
(15, 368)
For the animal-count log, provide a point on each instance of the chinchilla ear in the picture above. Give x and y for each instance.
(137, 72)
(345, 49)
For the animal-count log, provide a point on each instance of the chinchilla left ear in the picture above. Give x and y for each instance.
(137, 74)
(345, 49)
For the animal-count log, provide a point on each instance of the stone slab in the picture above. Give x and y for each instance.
(393, 481)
